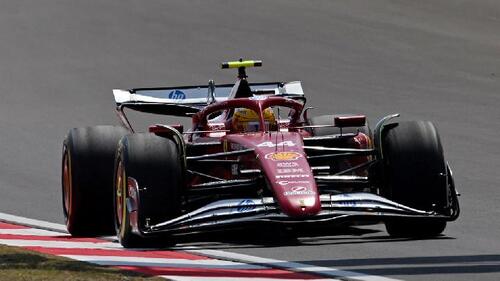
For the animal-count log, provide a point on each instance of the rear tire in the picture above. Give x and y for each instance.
(415, 175)
(155, 163)
(87, 179)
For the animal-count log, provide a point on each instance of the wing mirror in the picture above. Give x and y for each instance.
(349, 121)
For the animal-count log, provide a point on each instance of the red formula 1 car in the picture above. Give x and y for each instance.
(252, 155)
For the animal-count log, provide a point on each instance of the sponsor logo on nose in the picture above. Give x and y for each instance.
(245, 205)
(299, 190)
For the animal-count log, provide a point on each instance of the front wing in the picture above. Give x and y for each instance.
(335, 209)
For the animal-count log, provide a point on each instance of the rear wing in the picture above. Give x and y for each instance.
(185, 101)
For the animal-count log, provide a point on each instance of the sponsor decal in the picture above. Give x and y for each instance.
(217, 127)
(348, 203)
(283, 156)
(299, 190)
(287, 164)
(177, 95)
(272, 144)
(284, 183)
(290, 171)
(245, 205)
(284, 123)
(258, 97)
(291, 176)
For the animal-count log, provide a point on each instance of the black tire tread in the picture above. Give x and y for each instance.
(154, 162)
(92, 151)
(414, 168)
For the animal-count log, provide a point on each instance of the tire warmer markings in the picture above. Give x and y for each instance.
(274, 270)
(175, 265)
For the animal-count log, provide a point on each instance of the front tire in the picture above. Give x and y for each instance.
(155, 164)
(415, 175)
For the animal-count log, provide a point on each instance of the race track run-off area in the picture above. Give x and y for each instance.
(170, 264)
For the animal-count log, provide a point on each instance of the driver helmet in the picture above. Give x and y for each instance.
(247, 120)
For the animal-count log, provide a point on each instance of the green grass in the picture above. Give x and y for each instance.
(17, 264)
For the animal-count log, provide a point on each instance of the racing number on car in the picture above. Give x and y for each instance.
(272, 144)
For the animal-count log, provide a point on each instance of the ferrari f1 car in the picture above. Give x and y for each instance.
(252, 155)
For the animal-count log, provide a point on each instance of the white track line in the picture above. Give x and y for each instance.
(294, 266)
(32, 222)
(222, 255)
(61, 244)
(32, 231)
(163, 262)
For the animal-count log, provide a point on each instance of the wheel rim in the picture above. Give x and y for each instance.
(120, 197)
(66, 183)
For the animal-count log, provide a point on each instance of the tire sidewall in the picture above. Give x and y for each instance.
(123, 229)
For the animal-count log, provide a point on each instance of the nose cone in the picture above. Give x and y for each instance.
(292, 181)
(289, 174)
(302, 201)
(283, 162)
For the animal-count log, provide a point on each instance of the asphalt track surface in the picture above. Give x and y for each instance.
(432, 60)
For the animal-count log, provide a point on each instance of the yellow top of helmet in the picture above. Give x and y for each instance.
(247, 120)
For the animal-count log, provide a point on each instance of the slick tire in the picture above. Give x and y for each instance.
(326, 131)
(155, 164)
(415, 176)
(87, 179)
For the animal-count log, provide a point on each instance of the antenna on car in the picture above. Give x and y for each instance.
(211, 92)
(241, 65)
